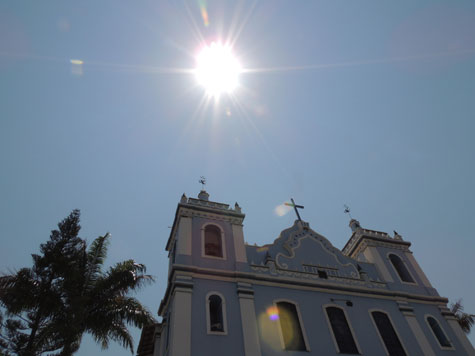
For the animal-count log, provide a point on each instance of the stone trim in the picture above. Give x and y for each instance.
(232, 276)
(239, 247)
(184, 236)
(418, 334)
(181, 323)
(203, 212)
(418, 269)
(363, 234)
(250, 332)
(396, 245)
(372, 255)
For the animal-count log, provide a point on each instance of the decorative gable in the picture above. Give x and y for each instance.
(302, 249)
(299, 252)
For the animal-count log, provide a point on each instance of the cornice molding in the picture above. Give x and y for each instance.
(285, 282)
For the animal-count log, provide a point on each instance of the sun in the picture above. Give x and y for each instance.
(217, 69)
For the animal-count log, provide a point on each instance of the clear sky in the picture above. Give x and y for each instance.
(365, 103)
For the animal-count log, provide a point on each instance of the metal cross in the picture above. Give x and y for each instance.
(202, 181)
(295, 206)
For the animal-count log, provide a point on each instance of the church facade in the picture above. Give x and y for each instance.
(296, 296)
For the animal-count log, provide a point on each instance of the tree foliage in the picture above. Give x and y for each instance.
(66, 293)
(465, 320)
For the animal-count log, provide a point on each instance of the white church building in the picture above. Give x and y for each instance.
(298, 295)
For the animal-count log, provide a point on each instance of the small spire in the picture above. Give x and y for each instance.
(237, 208)
(184, 199)
(397, 236)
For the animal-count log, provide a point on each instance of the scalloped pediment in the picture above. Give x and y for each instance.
(302, 249)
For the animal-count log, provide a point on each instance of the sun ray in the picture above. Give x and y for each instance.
(234, 38)
(259, 134)
(198, 35)
(357, 63)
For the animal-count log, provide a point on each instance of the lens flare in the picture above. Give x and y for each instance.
(76, 66)
(273, 313)
(204, 12)
(282, 209)
(217, 70)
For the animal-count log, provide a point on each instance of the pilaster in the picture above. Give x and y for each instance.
(180, 318)
(455, 326)
(250, 333)
(239, 247)
(408, 312)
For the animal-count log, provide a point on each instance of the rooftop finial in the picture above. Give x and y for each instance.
(354, 224)
(397, 236)
(203, 194)
(347, 211)
(202, 181)
(184, 199)
(237, 207)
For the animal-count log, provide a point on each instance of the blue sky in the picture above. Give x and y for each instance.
(365, 103)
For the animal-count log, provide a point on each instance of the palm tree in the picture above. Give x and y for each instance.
(66, 294)
(465, 320)
(103, 307)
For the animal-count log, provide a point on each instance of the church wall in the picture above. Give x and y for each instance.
(203, 343)
(254, 278)
(421, 311)
(317, 329)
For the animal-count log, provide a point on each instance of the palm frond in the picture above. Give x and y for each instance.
(124, 277)
(96, 256)
(119, 333)
(466, 321)
(97, 252)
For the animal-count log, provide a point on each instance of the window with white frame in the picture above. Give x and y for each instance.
(213, 245)
(388, 334)
(401, 268)
(216, 313)
(438, 332)
(291, 327)
(341, 330)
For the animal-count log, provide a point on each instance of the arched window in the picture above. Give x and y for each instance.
(401, 268)
(213, 244)
(438, 332)
(388, 334)
(216, 313)
(341, 331)
(290, 327)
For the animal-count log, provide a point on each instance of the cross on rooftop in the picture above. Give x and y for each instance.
(295, 206)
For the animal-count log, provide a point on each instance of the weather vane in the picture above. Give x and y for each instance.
(347, 210)
(202, 181)
(295, 206)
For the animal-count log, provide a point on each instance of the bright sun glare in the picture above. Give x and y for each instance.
(217, 69)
